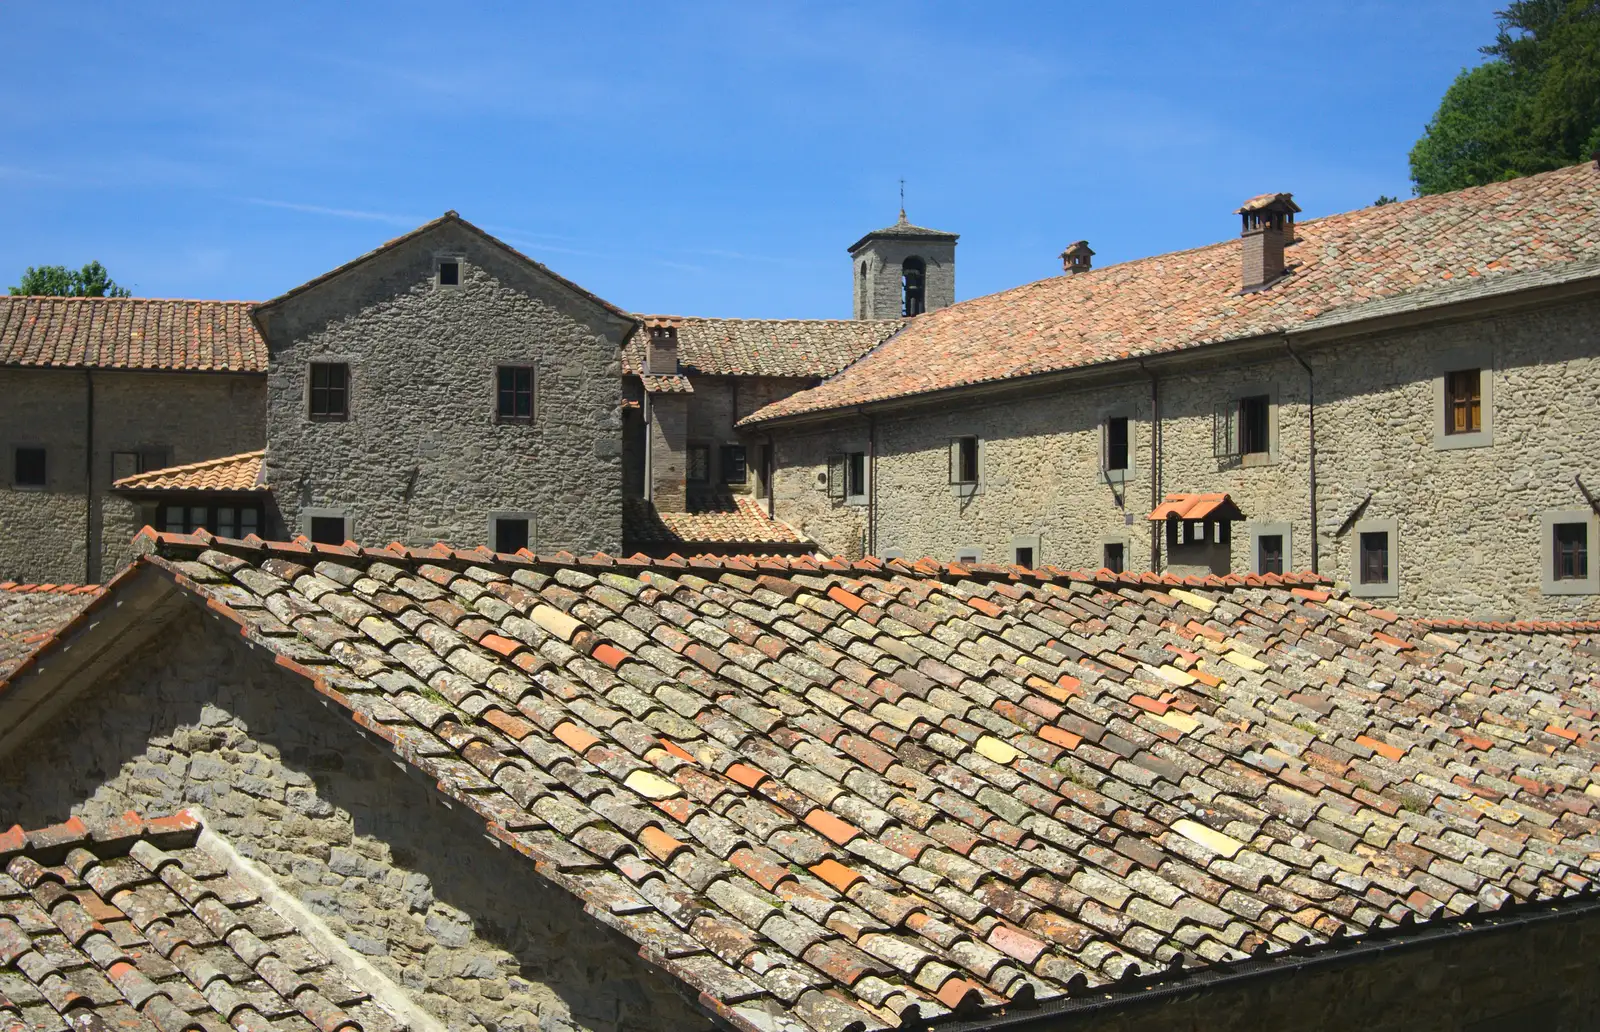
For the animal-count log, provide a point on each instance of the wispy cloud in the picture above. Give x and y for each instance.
(340, 213)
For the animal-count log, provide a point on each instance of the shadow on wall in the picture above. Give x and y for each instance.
(466, 926)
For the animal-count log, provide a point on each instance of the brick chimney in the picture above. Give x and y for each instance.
(661, 350)
(1076, 258)
(1268, 225)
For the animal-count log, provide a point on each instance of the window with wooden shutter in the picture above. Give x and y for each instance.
(1374, 557)
(1571, 551)
(1224, 440)
(836, 477)
(1463, 401)
(856, 475)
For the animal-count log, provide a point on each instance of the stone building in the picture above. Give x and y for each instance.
(459, 791)
(96, 389)
(1402, 398)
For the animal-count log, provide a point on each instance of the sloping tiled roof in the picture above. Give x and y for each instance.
(903, 229)
(666, 383)
(838, 796)
(723, 520)
(240, 472)
(1197, 507)
(768, 347)
(135, 927)
(1188, 298)
(130, 333)
(31, 613)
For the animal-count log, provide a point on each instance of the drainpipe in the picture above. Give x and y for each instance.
(1155, 466)
(89, 564)
(768, 468)
(1311, 424)
(872, 485)
(649, 448)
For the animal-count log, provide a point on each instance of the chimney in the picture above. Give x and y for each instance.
(1268, 225)
(1076, 258)
(661, 350)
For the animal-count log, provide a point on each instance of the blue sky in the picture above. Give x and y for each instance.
(704, 159)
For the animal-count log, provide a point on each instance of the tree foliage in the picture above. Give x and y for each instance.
(1533, 106)
(59, 281)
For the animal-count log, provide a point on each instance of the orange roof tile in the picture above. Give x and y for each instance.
(723, 520)
(666, 383)
(766, 347)
(240, 472)
(130, 333)
(1170, 302)
(1197, 507)
(31, 613)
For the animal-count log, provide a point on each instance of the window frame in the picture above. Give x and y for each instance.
(211, 524)
(1106, 474)
(966, 554)
(688, 450)
(966, 488)
(1122, 541)
(439, 262)
(1228, 424)
(725, 460)
(1589, 584)
(310, 513)
(1390, 587)
(17, 483)
(532, 369)
(1269, 528)
(493, 524)
(311, 390)
(1033, 543)
(1458, 360)
(851, 458)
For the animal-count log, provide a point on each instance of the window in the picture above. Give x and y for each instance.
(514, 393)
(328, 530)
(1255, 425)
(1024, 557)
(1115, 558)
(1571, 551)
(969, 555)
(224, 519)
(1374, 557)
(697, 463)
(1117, 446)
(913, 280)
(28, 468)
(510, 534)
(1569, 564)
(1025, 550)
(856, 476)
(449, 272)
(764, 467)
(734, 470)
(330, 390)
(1463, 401)
(964, 465)
(1269, 553)
(130, 463)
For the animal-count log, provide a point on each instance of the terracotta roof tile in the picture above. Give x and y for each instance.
(805, 348)
(240, 472)
(666, 383)
(130, 333)
(1197, 507)
(31, 613)
(722, 520)
(971, 837)
(1174, 301)
(95, 926)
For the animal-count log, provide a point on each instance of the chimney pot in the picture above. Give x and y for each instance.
(1267, 227)
(1076, 258)
(661, 351)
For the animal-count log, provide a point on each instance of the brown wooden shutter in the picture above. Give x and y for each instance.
(836, 477)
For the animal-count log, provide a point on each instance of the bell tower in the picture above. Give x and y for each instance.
(903, 270)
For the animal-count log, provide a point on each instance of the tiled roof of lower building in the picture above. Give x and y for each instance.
(768, 347)
(1175, 301)
(240, 472)
(666, 383)
(723, 520)
(130, 333)
(31, 613)
(134, 927)
(833, 796)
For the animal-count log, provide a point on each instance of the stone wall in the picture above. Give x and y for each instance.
(422, 457)
(879, 295)
(467, 926)
(188, 416)
(1468, 519)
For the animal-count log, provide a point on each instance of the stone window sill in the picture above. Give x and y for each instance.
(1454, 442)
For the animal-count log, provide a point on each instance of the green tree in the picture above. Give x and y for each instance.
(59, 281)
(1533, 106)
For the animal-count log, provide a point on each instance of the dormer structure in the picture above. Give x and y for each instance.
(903, 270)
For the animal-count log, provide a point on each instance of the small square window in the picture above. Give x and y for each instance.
(1117, 443)
(1255, 424)
(733, 464)
(1463, 401)
(1374, 557)
(29, 468)
(1270, 553)
(1571, 557)
(1115, 558)
(328, 530)
(964, 460)
(330, 390)
(514, 394)
(449, 272)
(697, 463)
(510, 534)
(1023, 556)
(856, 474)
(969, 555)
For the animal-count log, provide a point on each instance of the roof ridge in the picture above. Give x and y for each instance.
(769, 319)
(202, 464)
(130, 300)
(50, 589)
(114, 837)
(1509, 626)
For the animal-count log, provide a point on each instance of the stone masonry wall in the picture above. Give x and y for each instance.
(468, 927)
(1469, 532)
(422, 457)
(719, 402)
(193, 416)
(878, 295)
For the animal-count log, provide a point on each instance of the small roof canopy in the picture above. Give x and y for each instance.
(1215, 507)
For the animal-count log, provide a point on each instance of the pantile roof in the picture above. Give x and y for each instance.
(719, 520)
(838, 796)
(1175, 301)
(902, 229)
(130, 333)
(240, 472)
(1214, 506)
(767, 347)
(31, 613)
(666, 383)
(135, 927)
